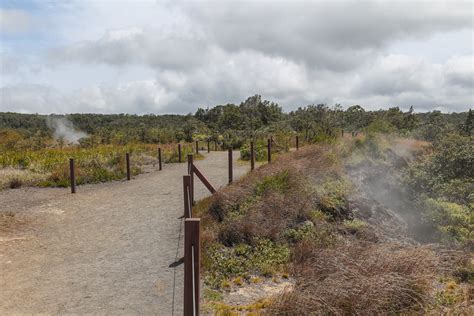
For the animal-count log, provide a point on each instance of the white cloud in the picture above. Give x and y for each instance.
(170, 57)
(15, 21)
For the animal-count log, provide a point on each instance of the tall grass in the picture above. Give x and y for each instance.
(50, 166)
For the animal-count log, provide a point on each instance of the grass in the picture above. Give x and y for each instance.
(292, 218)
(50, 167)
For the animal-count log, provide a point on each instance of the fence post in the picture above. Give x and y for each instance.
(342, 132)
(297, 142)
(159, 159)
(269, 150)
(197, 147)
(72, 175)
(231, 173)
(252, 156)
(179, 152)
(188, 207)
(191, 174)
(127, 160)
(192, 254)
(208, 146)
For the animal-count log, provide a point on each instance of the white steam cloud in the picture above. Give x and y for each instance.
(64, 129)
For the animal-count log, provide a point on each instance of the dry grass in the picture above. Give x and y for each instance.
(341, 267)
(15, 178)
(10, 221)
(361, 279)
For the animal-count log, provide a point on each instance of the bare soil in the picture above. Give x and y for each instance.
(105, 250)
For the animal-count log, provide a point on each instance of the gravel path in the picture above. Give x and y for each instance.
(106, 249)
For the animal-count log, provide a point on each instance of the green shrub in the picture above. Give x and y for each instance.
(274, 183)
(222, 263)
(260, 151)
(453, 222)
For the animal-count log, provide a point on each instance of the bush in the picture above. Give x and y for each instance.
(260, 152)
(453, 222)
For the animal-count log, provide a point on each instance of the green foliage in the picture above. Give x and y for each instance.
(265, 258)
(448, 172)
(454, 222)
(274, 183)
(260, 151)
(355, 225)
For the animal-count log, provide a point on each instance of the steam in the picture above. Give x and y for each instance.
(64, 129)
(382, 192)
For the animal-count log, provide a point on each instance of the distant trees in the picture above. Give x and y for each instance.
(233, 124)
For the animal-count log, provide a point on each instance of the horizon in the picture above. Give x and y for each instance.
(172, 57)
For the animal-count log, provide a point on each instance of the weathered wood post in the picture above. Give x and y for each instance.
(342, 133)
(269, 150)
(191, 174)
(231, 172)
(297, 142)
(159, 159)
(252, 156)
(197, 147)
(188, 207)
(208, 146)
(179, 152)
(72, 175)
(127, 160)
(192, 254)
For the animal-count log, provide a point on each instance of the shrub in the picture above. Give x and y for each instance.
(266, 257)
(260, 152)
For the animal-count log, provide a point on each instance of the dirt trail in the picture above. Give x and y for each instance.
(106, 249)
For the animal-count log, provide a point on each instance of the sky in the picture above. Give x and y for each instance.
(119, 56)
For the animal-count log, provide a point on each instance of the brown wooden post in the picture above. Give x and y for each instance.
(231, 173)
(197, 147)
(127, 160)
(208, 146)
(192, 254)
(191, 174)
(269, 150)
(297, 142)
(342, 132)
(188, 207)
(179, 152)
(252, 156)
(159, 159)
(72, 175)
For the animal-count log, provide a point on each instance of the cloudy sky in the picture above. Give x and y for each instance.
(114, 56)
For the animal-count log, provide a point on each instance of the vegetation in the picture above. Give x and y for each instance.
(293, 218)
(303, 217)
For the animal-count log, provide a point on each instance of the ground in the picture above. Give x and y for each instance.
(107, 249)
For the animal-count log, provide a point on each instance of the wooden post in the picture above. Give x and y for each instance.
(197, 147)
(179, 152)
(297, 142)
(269, 150)
(72, 175)
(191, 174)
(208, 146)
(342, 133)
(252, 157)
(231, 175)
(159, 159)
(188, 207)
(192, 254)
(127, 159)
